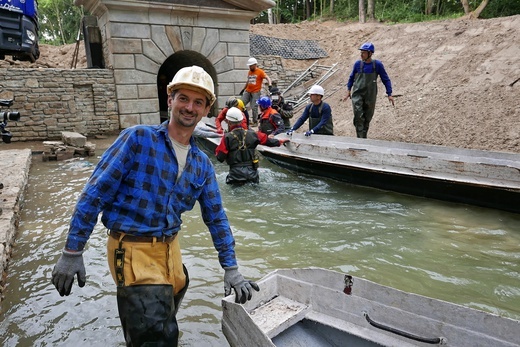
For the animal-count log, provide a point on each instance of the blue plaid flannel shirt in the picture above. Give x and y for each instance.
(134, 186)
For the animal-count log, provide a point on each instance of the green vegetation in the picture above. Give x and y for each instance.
(392, 11)
(60, 20)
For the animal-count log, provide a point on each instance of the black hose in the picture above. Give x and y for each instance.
(435, 340)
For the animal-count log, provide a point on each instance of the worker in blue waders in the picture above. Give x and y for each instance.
(363, 83)
(142, 185)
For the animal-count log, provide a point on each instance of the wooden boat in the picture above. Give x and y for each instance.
(317, 307)
(481, 178)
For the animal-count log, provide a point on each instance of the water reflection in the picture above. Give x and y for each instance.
(453, 252)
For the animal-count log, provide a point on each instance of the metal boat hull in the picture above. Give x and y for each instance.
(480, 178)
(319, 307)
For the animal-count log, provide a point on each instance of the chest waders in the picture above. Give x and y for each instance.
(364, 95)
(327, 129)
(147, 271)
(242, 158)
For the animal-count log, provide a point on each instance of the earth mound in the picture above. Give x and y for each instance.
(456, 82)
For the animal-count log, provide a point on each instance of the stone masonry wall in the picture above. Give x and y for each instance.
(54, 100)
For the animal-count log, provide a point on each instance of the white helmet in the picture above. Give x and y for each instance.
(234, 115)
(316, 89)
(193, 78)
(251, 61)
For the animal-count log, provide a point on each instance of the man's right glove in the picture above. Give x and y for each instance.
(243, 288)
(69, 265)
(290, 131)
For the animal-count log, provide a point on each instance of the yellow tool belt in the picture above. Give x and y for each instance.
(137, 260)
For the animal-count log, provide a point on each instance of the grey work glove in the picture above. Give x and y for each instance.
(243, 288)
(69, 265)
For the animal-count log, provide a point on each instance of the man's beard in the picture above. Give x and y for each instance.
(190, 122)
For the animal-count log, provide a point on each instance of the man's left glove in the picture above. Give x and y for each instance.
(243, 288)
(69, 265)
(309, 133)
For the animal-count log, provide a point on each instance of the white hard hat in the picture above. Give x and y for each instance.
(193, 78)
(316, 89)
(234, 115)
(251, 61)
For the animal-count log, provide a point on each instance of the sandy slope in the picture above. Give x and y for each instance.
(457, 82)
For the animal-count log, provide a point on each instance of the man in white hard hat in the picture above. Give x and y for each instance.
(318, 112)
(142, 185)
(251, 92)
(238, 149)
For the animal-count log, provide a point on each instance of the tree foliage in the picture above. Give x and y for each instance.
(60, 21)
(292, 11)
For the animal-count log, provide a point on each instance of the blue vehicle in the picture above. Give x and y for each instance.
(19, 29)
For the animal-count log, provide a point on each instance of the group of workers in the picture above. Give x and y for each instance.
(273, 114)
(152, 174)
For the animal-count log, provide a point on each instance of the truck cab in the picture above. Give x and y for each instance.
(19, 29)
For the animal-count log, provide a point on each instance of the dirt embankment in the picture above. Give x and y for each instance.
(456, 82)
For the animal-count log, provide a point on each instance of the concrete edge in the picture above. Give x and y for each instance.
(14, 175)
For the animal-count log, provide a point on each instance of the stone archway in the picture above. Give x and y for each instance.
(146, 42)
(169, 68)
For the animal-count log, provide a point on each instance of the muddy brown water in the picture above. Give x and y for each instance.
(458, 253)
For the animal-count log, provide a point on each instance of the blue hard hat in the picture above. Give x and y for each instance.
(367, 46)
(264, 102)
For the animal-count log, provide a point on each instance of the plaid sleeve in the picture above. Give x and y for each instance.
(100, 190)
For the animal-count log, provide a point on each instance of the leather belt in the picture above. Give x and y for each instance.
(132, 238)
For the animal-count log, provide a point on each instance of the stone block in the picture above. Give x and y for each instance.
(73, 139)
(147, 91)
(139, 106)
(123, 61)
(151, 53)
(123, 30)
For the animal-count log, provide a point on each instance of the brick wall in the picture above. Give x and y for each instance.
(54, 100)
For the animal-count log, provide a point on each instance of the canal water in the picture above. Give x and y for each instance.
(458, 253)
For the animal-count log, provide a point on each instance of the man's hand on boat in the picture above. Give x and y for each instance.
(243, 288)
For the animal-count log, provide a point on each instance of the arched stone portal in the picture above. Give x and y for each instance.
(146, 42)
(169, 68)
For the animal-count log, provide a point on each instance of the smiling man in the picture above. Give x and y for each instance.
(142, 185)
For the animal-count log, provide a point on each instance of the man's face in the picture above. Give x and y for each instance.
(365, 55)
(315, 98)
(252, 67)
(187, 107)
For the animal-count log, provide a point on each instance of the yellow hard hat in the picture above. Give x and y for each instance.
(241, 105)
(193, 78)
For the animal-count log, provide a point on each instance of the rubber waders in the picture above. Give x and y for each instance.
(364, 96)
(147, 314)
